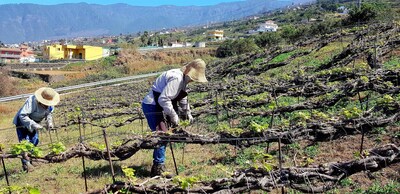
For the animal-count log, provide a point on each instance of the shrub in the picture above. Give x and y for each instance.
(267, 39)
(7, 86)
(236, 47)
(369, 11)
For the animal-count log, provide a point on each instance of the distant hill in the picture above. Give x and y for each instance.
(30, 22)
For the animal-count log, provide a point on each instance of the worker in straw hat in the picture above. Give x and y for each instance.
(35, 109)
(167, 92)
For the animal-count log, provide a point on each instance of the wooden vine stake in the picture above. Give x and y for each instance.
(227, 110)
(83, 158)
(362, 140)
(109, 155)
(173, 157)
(5, 171)
(84, 123)
(361, 105)
(280, 161)
(273, 113)
(216, 106)
(140, 115)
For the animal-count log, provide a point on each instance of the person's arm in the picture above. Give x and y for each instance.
(184, 104)
(27, 122)
(169, 92)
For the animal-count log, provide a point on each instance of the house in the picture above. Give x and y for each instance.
(54, 52)
(57, 51)
(106, 52)
(216, 35)
(200, 44)
(268, 26)
(16, 55)
(176, 45)
(187, 44)
(27, 56)
(343, 10)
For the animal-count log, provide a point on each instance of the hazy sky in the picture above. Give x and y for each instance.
(130, 2)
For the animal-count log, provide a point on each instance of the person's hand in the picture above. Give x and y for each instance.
(50, 126)
(174, 120)
(190, 118)
(36, 127)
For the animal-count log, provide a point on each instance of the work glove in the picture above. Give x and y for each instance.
(36, 127)
(185, 114)
(174, 120)
(50, 125)
(190, 118)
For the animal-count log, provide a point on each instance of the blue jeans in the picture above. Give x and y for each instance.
(24, 134)
(154, 117)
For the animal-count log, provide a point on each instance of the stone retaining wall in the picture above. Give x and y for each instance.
(36, 66)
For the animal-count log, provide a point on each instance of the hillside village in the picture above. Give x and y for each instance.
(96, 48)
(32, 52)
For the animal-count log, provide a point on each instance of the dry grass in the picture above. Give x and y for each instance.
(134, 61)
(8, 85)
(12, 86)
(8, 111)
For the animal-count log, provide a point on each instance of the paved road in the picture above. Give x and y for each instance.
(10, 98)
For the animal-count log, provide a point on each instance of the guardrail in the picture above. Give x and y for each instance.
(68, 88)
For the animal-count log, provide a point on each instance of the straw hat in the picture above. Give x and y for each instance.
(47, 96)
(196, 70)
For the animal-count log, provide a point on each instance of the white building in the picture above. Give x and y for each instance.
(200, 44)
(176, 45)
(268, 26)
(106, 52)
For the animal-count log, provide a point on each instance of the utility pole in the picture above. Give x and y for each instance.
(359, 4)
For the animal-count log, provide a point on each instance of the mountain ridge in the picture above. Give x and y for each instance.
(33, 22)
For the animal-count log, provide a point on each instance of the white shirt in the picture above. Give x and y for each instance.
(31, 113)
(169, 84)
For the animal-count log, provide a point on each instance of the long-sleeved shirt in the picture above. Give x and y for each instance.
(169, 84)
(31, 113)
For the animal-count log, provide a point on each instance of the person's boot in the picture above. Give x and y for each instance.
(27, 166)
(159, 170)
(26, 163)
(34, 164)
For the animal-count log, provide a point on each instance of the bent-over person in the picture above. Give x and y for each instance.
(168, 97)
(36, 108)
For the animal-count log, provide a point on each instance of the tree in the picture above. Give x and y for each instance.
(290, 33)
(245, 45)
(236, 47)
(267, 39)
(370, 11)
(144, 38)
(327, 5)
(225, 49)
